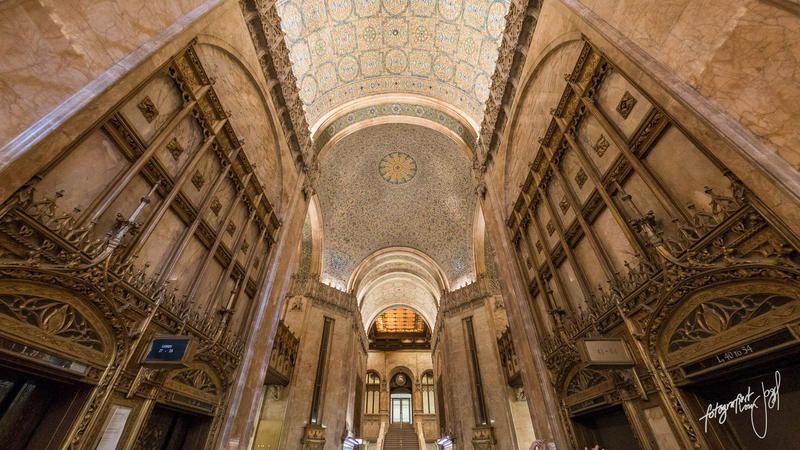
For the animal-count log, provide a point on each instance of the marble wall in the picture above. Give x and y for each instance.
(53, 49)
(741, 57)
(736, 66)
(345, 361)
(453, 363)
(64, 63)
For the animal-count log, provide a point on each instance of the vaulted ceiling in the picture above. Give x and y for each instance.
(344, 50)
(396, 185)
(394, 93)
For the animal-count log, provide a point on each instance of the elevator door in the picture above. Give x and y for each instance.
(169, 429)
(36, 412)
(608, 429)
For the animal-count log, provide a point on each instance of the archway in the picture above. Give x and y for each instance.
(400, 398)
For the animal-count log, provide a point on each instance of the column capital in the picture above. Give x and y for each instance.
(314, 437)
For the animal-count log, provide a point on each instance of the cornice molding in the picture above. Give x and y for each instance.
(264, 25)
(520, 24)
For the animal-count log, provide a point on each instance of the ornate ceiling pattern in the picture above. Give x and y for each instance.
(362, 212)
(463, 131)
(342, 50)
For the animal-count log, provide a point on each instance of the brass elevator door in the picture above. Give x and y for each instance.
(169, 429)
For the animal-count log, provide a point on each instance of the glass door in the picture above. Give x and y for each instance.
(401, 408)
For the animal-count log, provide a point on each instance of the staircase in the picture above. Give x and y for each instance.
(401, 436)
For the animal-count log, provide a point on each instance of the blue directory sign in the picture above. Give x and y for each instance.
(168, 351)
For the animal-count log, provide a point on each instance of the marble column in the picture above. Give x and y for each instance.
(384, 398)
(542, 402)
(417, 398)
(483, 438)
(243, 410)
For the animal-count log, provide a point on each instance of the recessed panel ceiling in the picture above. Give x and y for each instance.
(400, 320)
(342, 50)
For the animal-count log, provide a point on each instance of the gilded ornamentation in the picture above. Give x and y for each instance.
(267, 36)
(111, 304)
(550, 228)
(216, 206)
(313, 437)
(397, 168)
(231, 228)
(175, 149)
(197, 379)
(53, 317)
(721, 314)
(585, 379)
(483, 438)
(564, 205)
(626, 104)
(148, 109)
(539, 246)
(198, 180)
(601, 146)
(470, 296)
(580, 178)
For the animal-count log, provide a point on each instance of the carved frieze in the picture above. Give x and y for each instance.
(53, 317)
(721, 314)
(198, 180)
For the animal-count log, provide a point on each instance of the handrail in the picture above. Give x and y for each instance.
(381, 434)
(420, 434)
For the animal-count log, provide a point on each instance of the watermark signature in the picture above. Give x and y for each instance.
(748, 403)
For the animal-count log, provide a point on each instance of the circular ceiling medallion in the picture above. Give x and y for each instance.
(397, 168)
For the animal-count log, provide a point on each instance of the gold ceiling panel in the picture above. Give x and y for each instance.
(400, 320)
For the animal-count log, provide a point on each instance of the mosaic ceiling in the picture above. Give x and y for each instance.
(421, 197)
(343, 50)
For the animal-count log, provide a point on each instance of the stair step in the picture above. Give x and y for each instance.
(400, 437)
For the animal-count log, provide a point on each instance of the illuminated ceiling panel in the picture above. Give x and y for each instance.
(400, 320)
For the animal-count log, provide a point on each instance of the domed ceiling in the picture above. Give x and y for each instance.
(342, 50)
(396, 185)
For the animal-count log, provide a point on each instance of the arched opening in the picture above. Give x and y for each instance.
(714, 351)
(427, 390)
(400, 399)
(372, 397)
(399, 328)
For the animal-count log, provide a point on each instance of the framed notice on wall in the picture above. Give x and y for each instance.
(115, 426)
(168, 351)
